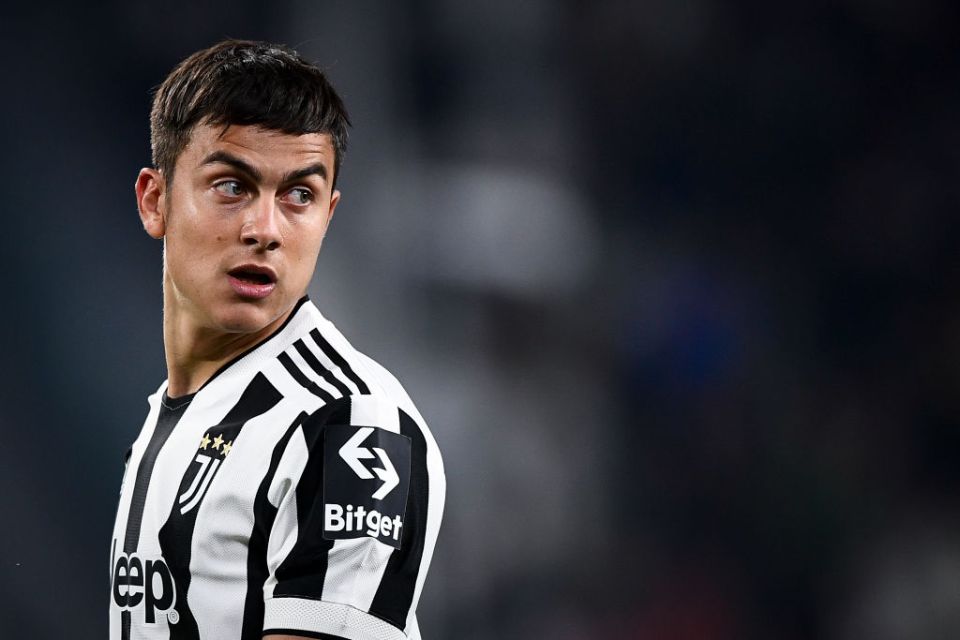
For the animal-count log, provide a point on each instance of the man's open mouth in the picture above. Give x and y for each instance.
(252, 281)
(253, 275)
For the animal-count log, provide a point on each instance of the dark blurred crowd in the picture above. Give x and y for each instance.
(674, 283)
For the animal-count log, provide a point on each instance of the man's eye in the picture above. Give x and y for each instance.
(231, 188)
(300, 196)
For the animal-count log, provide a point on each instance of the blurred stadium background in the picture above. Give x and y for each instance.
(675, 284)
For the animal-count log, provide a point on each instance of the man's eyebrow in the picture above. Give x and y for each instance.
(314, 169)
(242, 166)
(222, 157)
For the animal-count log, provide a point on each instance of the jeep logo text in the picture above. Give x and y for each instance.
(147, 583)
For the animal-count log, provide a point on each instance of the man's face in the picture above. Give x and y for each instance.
(242, 222)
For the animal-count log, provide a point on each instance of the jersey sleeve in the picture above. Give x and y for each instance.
(346, 549)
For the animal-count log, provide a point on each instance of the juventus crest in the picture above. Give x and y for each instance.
(210, 454)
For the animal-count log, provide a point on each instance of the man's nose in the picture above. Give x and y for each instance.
(262, 225)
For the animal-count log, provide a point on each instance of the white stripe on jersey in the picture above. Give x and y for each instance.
(355, 571)
(326, 617)
(370, 411)
(285, 527)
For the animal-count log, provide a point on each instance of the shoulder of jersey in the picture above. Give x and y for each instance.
(321, 361)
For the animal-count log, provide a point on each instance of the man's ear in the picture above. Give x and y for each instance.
(151, 201)
(334, 199)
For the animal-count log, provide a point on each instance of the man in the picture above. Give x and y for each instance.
(283, 484)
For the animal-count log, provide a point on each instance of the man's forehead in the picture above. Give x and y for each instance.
(258, 146)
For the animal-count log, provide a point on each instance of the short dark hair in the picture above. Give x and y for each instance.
(242, 82)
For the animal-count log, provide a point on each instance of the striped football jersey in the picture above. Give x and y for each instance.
(299, 491)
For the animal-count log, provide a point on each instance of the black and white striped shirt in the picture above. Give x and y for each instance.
(298, 491)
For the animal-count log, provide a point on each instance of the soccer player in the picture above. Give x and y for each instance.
(283, 484)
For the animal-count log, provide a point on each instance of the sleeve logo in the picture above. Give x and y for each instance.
(366, 477)
(352, 453)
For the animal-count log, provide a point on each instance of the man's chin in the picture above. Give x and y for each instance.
(247, 318)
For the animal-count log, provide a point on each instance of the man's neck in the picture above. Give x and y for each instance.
(195, 353)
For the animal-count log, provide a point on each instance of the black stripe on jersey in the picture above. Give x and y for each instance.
(166, 421)
(303, 571)
(395, 593)
(264, 514)
(338, 360)
(302, 379)
(314, 364)
(176, 535)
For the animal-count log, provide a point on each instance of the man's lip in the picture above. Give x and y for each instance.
(237, 272)
(249, 289)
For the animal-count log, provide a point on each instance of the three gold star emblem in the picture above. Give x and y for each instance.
(219, 444)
